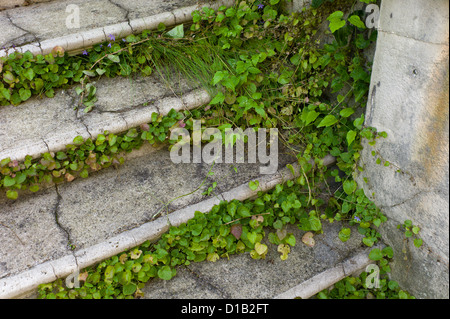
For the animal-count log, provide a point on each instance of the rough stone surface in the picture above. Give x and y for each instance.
(29, 232)
(409, 100)
(242, 277)
(44, 21)
(141, 8)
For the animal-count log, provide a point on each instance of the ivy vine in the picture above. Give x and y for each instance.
(264, 69)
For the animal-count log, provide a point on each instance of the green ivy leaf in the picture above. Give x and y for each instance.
(388, 252)
(311, 117)
(393, 285)
(368, 241)
(344, 234)
(5, 93)
(12, 194)
(25, 94)
(5, 161)
(125, 277)
(329, 120)
(351, 135)
(29, 74)
(8, 181)
(243, 211)
(129, 289)
(78, 140)
(356, 21)
(218, 76)
(100, 71)
(290, 240)
(418, 242)
(165, 273)
(218, 99)
(349, 186)
(90, 73)
(109, 274)
(231, 208)
(375, 254)
(252, 237)
(177, 32)
(377, 222)
(336, 21)
(347, 112)
(253, 185)
(196, 229)
(111, 57)
(315, 222)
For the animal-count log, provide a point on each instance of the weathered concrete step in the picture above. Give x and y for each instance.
(305, 272)
(46, 235)
(77, 24)
(42, 125)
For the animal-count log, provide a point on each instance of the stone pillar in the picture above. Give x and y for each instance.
(408, 99)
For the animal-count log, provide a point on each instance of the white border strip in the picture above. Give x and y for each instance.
(28, 281)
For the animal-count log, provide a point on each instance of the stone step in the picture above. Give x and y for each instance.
(45, 235)
(66, 227)
(306, 271)
(78, 24)
(42, 125)
(47, 125)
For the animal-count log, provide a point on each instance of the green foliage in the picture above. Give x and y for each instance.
(263, 69)
(83, 156)
(411, 231)
(357, 287)
(229, 228)
(382, 256)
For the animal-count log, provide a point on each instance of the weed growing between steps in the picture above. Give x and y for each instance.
(229, 228)
(369, 284)
(84, 156)
(264, 69)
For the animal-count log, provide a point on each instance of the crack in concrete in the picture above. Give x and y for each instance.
(405, 200)
(24, 30)
(127, 13)
(46, 145)
(74, 105)
(174, 17)
(87, 128)
(126, 123)
(70, 245)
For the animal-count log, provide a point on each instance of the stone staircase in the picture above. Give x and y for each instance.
(61, 228)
